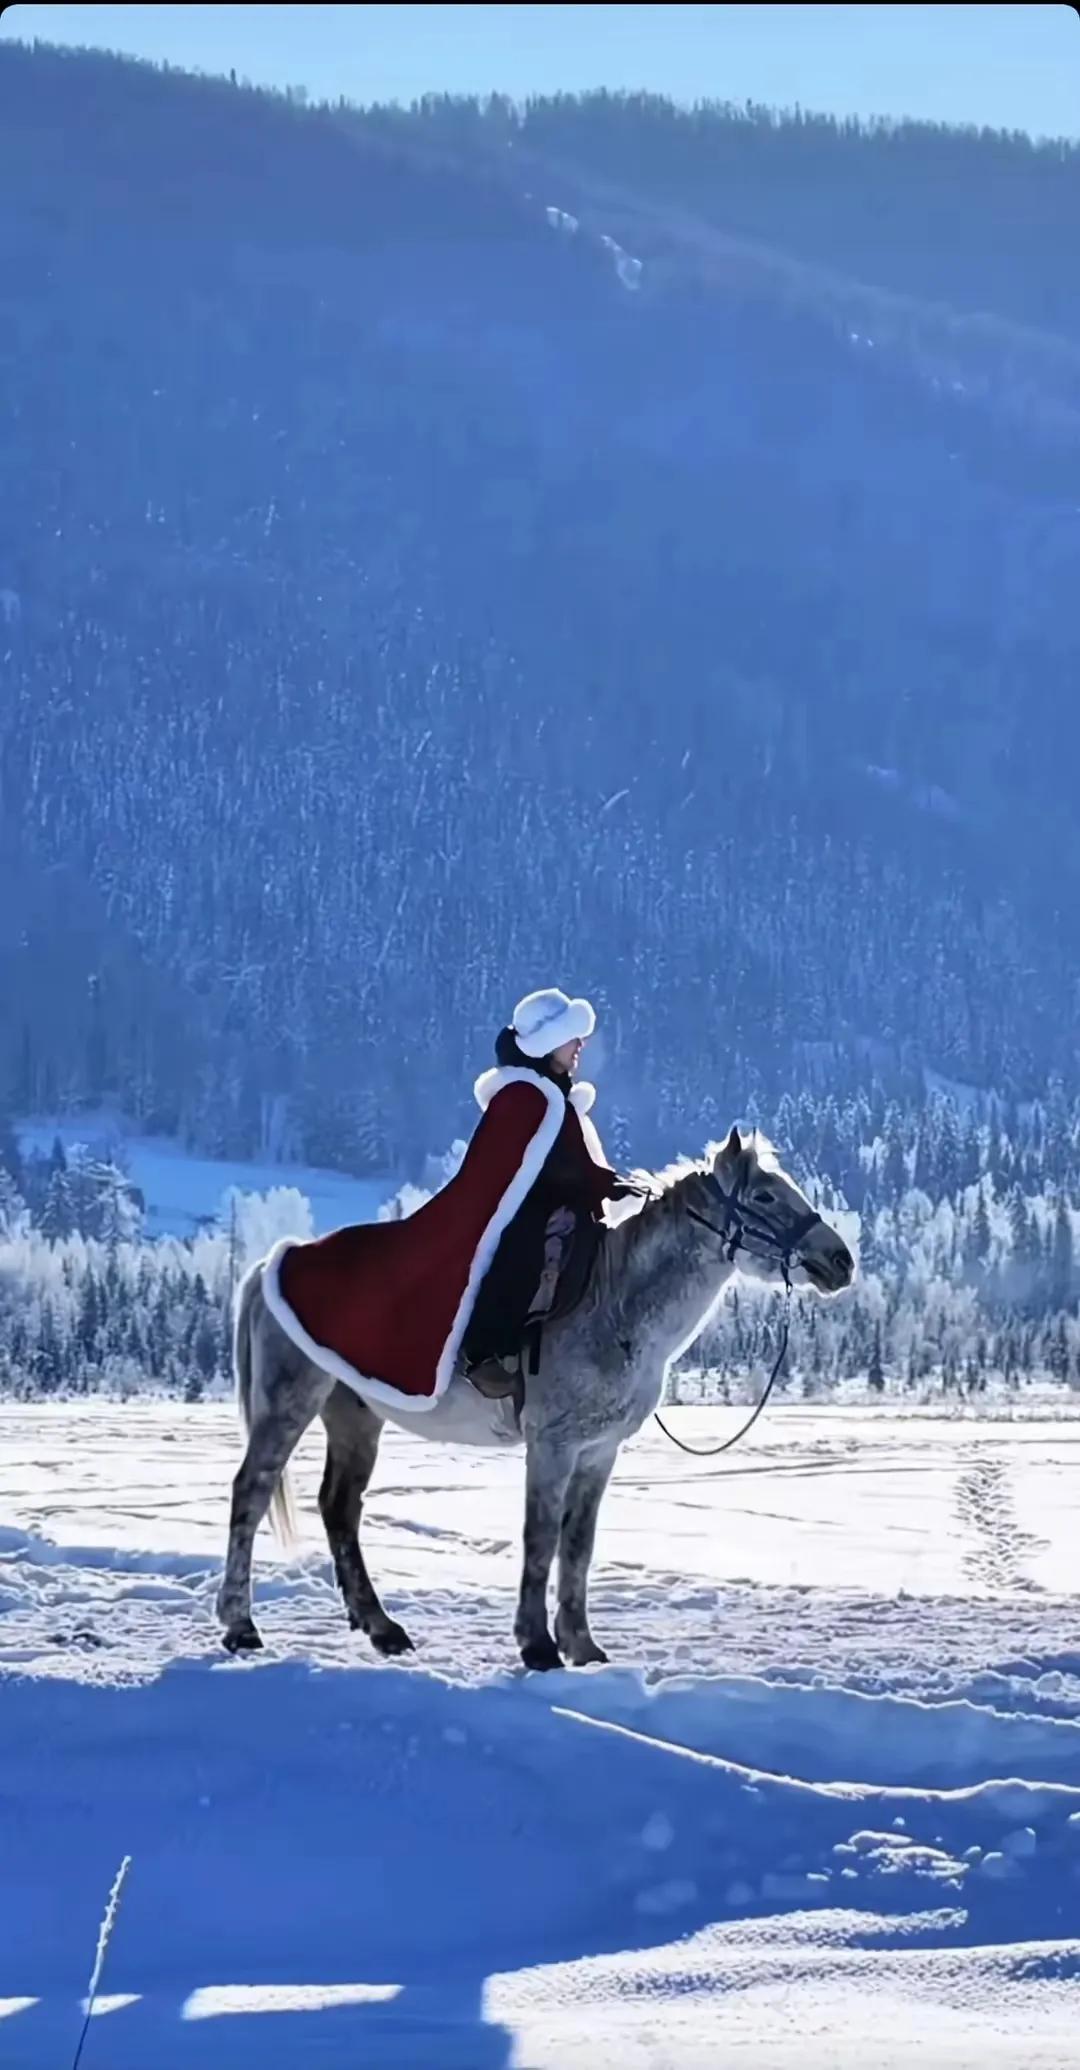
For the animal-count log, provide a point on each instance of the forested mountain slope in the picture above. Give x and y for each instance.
(409, 597)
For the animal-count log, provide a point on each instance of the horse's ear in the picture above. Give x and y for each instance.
(731, 1149)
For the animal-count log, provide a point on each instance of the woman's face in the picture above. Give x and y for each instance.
(566, 1058)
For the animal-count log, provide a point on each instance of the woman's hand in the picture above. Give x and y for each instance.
(612, 1187)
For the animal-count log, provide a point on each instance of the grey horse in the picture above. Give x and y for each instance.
(661, 1273)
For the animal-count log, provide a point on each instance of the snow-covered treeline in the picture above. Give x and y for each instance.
(950, 1295)
(966, 1224)
(87, 1304)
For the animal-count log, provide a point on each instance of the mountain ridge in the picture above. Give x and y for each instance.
(399, 616)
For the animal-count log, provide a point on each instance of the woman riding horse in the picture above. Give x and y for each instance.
(558, 1219)
(367, 1326)
(397, 1307)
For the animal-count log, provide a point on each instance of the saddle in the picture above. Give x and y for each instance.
(502, 1376)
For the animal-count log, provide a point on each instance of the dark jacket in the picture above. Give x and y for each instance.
(568, 1178)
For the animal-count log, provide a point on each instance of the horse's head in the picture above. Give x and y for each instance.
(767, 1220)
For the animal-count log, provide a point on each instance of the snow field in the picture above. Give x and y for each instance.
(826, 1799)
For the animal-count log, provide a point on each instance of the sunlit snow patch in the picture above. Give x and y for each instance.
(628, 269)
(218, 2000)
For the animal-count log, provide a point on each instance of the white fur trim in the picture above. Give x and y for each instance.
(582, 1100)
(528, 1172)
(582, 1097)
(491, 1082)
(593, 1144)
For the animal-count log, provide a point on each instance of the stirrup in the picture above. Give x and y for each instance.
(495, 1378)
(492, 1379)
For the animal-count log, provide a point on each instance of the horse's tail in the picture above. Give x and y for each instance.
(242, 1300)
(250, 1400)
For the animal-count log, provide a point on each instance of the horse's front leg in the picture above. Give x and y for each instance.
(549, 1467)
(576, 1540)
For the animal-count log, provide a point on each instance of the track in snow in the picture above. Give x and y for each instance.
(1000, 1551)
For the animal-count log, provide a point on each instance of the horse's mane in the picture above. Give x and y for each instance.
(670, 1175)
(642, 1235)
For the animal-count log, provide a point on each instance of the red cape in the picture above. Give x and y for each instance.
(384, 1306)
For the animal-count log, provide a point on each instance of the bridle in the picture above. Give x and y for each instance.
(745, 1228)
(742, 1221)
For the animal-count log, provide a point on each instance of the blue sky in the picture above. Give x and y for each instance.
(1006, 66)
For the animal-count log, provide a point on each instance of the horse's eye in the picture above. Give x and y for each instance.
(765, 1194)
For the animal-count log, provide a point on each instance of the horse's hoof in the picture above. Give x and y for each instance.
(591, 1655)
(577, 1646)
(541, 1654)
(390, 1640)
(242, 1638)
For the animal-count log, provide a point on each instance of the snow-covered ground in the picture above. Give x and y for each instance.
(824, 1808)
(183, 1191)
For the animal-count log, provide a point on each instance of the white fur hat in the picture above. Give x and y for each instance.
(545, 1020)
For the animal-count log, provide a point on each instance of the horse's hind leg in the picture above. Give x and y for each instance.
(353, 1431)
(576, 1540)
(275, 1432)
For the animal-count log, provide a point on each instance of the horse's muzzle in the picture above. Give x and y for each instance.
(828, 1268)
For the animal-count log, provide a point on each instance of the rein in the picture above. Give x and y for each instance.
(739, 1223)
